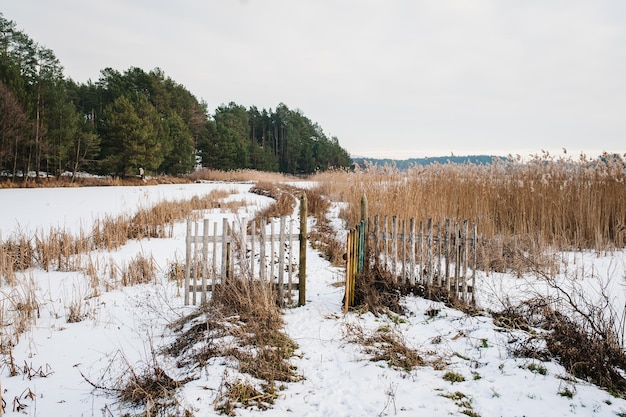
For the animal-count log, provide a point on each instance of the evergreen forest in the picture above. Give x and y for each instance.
(50, 124)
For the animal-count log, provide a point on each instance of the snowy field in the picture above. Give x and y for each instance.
(127, 325)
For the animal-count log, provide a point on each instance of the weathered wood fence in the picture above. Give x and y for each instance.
(426, 253)
(215, 254)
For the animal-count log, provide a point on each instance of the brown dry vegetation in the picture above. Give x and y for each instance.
(242, 325)
(59, 250)
(520, 207)
(239, 175)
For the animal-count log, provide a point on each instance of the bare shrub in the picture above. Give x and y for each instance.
(376, 291)
(385, 344)
(140, 270)
(18, 252)
(236, 393)
(19, 309)
(151, 388)
(583, 331)
(145, 386)
(241, 322)
(7, 266)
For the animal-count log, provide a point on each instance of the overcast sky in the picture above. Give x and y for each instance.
(392, 78)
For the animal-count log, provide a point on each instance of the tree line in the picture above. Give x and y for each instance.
(137, 119)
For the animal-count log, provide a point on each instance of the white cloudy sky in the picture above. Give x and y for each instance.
(389, 78)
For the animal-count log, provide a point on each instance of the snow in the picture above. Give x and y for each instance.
(59, 362)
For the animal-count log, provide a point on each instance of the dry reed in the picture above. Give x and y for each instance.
(239, 175)
(59, 250)
(547, 202)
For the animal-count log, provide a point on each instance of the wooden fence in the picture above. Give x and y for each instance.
(215, 254)
(432, 255)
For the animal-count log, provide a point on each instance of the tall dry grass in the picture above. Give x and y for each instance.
(59, 250)
(239, 175)
(547, 202)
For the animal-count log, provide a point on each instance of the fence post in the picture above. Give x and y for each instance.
(361, 246)
(346, 300)
(213, 268)
(262, 265)
(464, 263)
(364, 208)
(205, 258)
(447, 242)
(281, 262)
(272, 233)
(252, 243)
(303, 235)
(429, 253)
(196, 264)
(376, 239)
(475, 247)
(290, 262)
(225, 247)
(403, 251)
(394, 247)
(412, 251)
(188, 261)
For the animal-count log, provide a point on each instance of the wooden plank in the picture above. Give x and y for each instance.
(447, 253)
(272, 234)
(187, 260)
(412, 251)
(195, 266)
(346, 299)
(252, 247)
(474, 248)
(421, 252)
(394, 247)
(464, 240)
(275, 287)
(214, 269)
(224, 242)
(281, 260)
(302, 250)
(457, 255)
(439, 280)
(231, 251)
(205, 257)
(289, 262)
(403, 251)
(429, 252)
(198, 239)
(385, 241)
(262, 259)
(376, 240)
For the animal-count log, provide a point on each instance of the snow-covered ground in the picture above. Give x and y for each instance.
(57, 360)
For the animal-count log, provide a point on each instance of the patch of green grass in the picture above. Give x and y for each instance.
(453, 377)
(463, 401)
(396, 318)
(566, 392)
(537, 368)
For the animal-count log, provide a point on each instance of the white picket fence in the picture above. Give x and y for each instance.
(216, 253)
